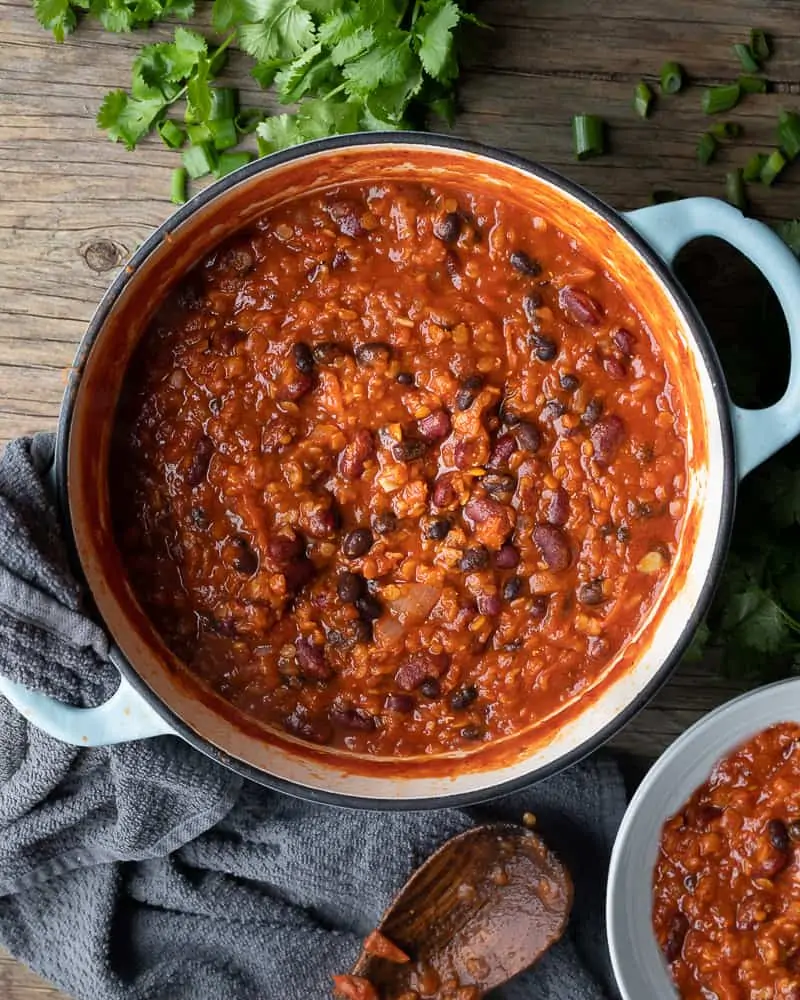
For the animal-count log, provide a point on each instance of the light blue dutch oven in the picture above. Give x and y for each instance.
(156, 697)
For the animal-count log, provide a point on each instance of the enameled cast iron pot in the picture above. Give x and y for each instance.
(156, 695)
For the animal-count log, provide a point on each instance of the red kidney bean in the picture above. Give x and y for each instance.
(504, 448)
(591, 593)
(435, 426)
(607, 435)
(303, 358)
(372, 353)
(521, 262)
(704, 815)
(311, 659)
(489, 604)
(323, 522)
(298, 574)
(356, 454)
(614, 368)
(507, 557)
(347, 216)
(444, 491)
(464, 454)
(558, 507)
(224, 341)
(298, 385)
(479, 510)
(528, 436)
(678, 926)
(580, 307)
(419, 667)
(624, 340)
(399, 703)
(463, 697)
(201, 459)
(447, 228)
(357, 542)
(299, 723)
(553, 546)
(352, 718)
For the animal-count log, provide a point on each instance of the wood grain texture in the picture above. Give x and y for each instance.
(73, 205)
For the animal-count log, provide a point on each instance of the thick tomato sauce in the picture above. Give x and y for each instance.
(726, 907)
(399, 469)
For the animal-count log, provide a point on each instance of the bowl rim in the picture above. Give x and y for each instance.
(768, 693)
(685, 308)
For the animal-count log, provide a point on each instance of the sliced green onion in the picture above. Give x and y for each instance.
(746, 58)
(198, 133)
(773, 167)
(753, 85)
(671, 78)
(661, 196)
(789, 133)
(178, 186)
(734, 189)
(706, 148)
(223, 133)
(199, 160)
(223, 103)
(642, 99)
(248, 120)
(760, 44)
(229, 162)
(588, 136)
(726, 130)
(719, 99)
(754, 166)
(171, 133)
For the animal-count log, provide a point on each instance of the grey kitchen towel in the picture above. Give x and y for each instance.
(148, 872)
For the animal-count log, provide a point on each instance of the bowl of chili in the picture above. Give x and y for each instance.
(401, 470)
(702, 895)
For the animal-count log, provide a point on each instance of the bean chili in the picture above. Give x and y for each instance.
(380, 426)
(726, 907)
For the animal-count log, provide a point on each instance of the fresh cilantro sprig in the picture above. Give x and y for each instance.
(61, 16)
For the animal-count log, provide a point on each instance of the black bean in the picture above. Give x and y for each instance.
(521, 262)
(438, 529)
(676, 932)
(544, 348)
(373, 352)
(593, 412)
(623, 534)
(383, 523)
(476, 558)
(552, 409)
(201, 459)
(507, 416)
(408, 451)
(405, 378)
(531, 302)
(569, 382)
(472, 732)
(499, 484)
(470, 387)
(350, 586)
(245, 561)
(352, 718)
(311, 658)
(327, 352)
(303, 358)
(447, 229)
(778, 834)
(357, 542)
(340, 258)
(199, 518)
(215, 406)
(369, 607)
(399, 703)
(512, 588)
(430, 688)
(361, 630)
(463, 697)
(528, 436)
(591, 593)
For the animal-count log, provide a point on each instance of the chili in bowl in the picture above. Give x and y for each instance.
(401, 470)
(702, 894)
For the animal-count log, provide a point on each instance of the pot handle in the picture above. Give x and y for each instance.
(125, 716)
(669, 227)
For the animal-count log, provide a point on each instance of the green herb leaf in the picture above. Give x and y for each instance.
(434, 33)
(128, 119)
(388, 62)
(789, 232)
(57, 16)
(283, 30)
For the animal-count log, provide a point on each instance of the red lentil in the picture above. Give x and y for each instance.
(381, 469)
(726, 905)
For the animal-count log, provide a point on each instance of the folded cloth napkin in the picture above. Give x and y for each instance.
(146, 871)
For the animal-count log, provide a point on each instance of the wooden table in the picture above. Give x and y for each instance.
(73, 206)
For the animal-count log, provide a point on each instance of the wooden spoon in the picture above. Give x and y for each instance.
(484, 907)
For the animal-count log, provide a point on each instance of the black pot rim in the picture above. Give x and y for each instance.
(689, 314)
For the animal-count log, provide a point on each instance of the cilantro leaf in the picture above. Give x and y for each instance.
(389, 61)
(434, 33)
(128, 118)
(282, 31)
(55, 15)
(757, 621)
(699, 643)
(278, 132)
(302, 75)
(789, 232)
(198, 93)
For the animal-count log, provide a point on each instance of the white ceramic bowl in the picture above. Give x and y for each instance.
(639, 966)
